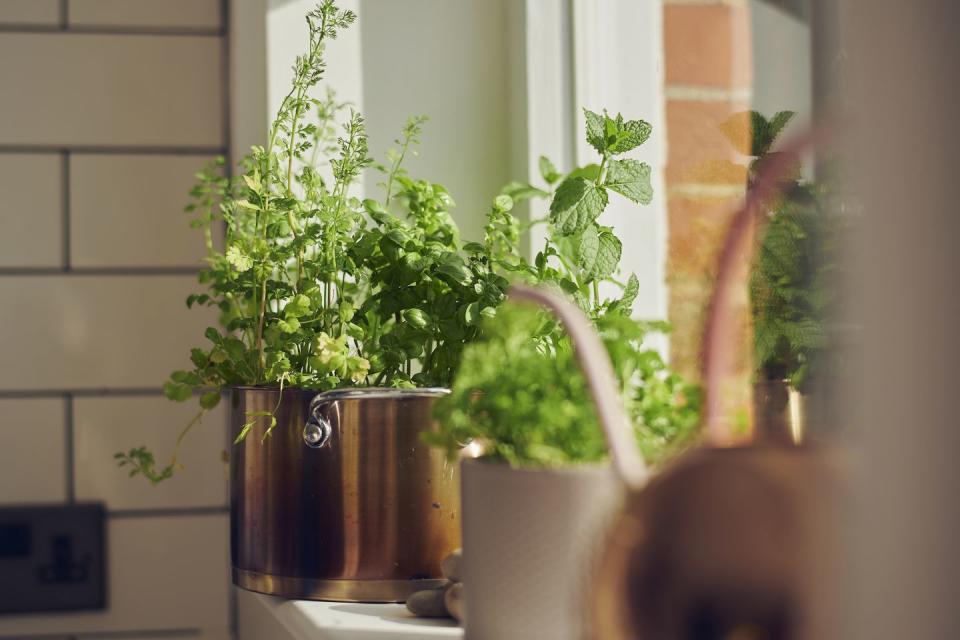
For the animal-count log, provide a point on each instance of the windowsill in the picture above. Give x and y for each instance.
(262, 616)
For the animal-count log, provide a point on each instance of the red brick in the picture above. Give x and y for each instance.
(708, 45)
(697, 144)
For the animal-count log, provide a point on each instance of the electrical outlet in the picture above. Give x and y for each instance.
(52, 558)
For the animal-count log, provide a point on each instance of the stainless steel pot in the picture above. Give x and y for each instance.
(343, 500)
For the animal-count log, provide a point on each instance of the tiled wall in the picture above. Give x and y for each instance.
(108, 108)
(708, 79)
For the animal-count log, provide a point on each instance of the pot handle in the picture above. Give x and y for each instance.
(319, 427)
(595, 364)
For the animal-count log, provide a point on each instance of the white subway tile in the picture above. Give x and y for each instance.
(164, 573)
(97, 331)
(33, 451)
(30, 210)
(127, 210)
(106, 425)
(30, 12)
(145, 13)
(111, 90)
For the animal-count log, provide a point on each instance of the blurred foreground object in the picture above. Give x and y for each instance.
(725, 542)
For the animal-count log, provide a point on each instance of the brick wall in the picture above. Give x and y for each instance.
(708, 79)
(108, 108)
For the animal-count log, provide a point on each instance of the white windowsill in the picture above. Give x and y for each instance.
(261, 616)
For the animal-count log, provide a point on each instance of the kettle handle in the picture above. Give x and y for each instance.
(601, 382)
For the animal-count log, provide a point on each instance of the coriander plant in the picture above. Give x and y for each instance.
(316, 288)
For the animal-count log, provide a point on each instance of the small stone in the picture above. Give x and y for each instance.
(452, 565)
(454, 601)
(428, 603)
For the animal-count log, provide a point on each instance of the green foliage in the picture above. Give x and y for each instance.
(795, 268)
(522, 396)
(141, 462)
(519, 391)
(317, 289)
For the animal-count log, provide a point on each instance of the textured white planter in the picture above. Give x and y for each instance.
(529, 537)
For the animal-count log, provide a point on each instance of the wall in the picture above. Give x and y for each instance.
(109, 108)
(446, 60)
(708, 79)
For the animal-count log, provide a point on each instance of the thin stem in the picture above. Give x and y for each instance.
(261, 360)
(398, 161)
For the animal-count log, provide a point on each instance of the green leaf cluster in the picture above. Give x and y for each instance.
(794, 274)
(521, 395)
(318, 289)
(315, 287)
(519, 391)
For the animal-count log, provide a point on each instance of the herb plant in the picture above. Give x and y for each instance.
(792, 279)
(316, 288)
(521, 395)
(519, 391)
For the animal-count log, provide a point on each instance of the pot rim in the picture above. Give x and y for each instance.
(352, 392)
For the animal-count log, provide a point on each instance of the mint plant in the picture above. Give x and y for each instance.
(519, 391)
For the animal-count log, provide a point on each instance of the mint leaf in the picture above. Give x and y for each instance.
(596, 130)
(630, 178)
(591, 172)
(520, 191)
(625, 304)
(629, 135)
(548, 171)
(577, 203)
(588, 248)
(598, 253)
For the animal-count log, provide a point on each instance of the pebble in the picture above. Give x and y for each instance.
(428, 603)
(454, 601)
(452, 566)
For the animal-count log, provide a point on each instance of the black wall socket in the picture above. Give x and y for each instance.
(52, 558)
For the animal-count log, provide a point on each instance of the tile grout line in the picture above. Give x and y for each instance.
(119, 149)
(226, 89)
(233, 613)
(98, 271)
(131, 30)
(65, 209)
(70, 459)
(19, 394)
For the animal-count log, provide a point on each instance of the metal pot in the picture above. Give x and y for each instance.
(342, 501)
(780, 413)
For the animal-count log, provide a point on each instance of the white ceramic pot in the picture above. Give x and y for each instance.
(529, 536)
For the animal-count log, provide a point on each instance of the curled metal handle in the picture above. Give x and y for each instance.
(317, 431)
